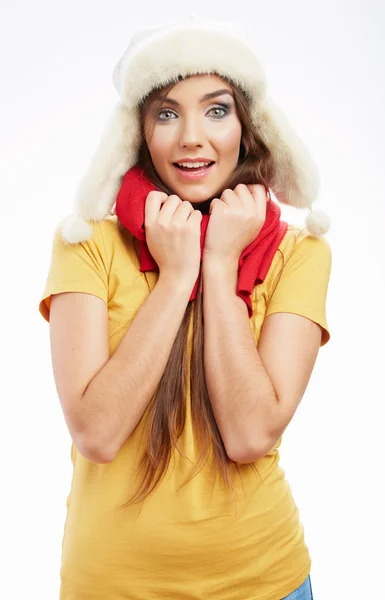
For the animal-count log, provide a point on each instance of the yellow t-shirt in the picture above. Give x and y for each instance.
(186, 544)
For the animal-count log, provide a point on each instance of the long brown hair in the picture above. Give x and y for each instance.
(166, 412)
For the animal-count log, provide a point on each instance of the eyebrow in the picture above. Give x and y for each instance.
(204, 98)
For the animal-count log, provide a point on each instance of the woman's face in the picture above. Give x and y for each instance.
(197, 123)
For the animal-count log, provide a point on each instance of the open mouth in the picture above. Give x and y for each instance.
(193, 168)
(194, 171)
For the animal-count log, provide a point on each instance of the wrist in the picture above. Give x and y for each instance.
(212, 264)
(183, 283)
(220, 275)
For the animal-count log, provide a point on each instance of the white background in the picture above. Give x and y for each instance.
(325, 63)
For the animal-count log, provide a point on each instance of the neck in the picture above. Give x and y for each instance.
(204, 207)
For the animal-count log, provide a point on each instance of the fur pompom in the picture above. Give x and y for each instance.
(317, 222)
(75, 229)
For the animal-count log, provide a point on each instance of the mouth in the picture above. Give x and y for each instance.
(196, 170)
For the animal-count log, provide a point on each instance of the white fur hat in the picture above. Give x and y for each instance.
(158, 56)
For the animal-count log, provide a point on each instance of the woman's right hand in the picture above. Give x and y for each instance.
(173, 233)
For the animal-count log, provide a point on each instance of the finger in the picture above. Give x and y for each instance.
(217, 204)
(244, 195)
(152, 206)
(168, 209)
(257, 190)
(195, 217)
(259, 195)
(230, 198)
(184, 210)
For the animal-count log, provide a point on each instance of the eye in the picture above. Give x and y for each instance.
(165, 114)
(218, 112)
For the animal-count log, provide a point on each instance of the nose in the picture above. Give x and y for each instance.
(191, 132)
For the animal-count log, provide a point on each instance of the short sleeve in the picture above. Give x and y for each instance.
(76, 268)
(303, 283)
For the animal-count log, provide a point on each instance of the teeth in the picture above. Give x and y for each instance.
(193, 165)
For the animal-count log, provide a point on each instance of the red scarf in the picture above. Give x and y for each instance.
(254, 262)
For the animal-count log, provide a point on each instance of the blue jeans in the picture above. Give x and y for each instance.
(304, 592)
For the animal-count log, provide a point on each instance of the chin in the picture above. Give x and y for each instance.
(195, 196)
(196, 199)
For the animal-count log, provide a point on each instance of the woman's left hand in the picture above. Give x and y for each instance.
(235, 221)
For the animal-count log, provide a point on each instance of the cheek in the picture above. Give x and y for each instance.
(228, 139)
(160, 145)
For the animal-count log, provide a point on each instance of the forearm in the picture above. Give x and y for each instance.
(118, 395)
(241, 393)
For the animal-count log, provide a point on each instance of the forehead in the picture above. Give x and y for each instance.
(197, 85)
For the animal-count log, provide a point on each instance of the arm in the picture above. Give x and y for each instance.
(104, 398)
(254, 393)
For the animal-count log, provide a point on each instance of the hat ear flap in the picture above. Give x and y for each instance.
(117, 152)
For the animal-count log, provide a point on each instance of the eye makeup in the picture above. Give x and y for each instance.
(225, 107)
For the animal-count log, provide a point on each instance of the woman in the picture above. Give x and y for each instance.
(184, 330)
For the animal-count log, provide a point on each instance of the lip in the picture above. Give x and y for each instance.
(201, 174)
(197, 159)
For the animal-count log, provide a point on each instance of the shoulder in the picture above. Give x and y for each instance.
(300, 256)
(299, 242)
(105, 236)
(111, 232)
(111, 227)
(119, 243)
(299, 247)
(109, 247)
